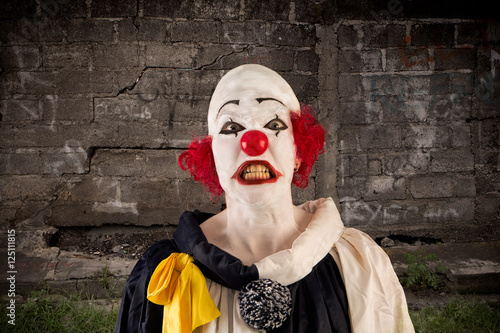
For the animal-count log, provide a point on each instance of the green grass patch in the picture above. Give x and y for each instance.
(457, 316)
(44, 312)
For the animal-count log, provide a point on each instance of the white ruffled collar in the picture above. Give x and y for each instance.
(324, 230)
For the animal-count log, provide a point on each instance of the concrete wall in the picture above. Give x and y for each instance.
(99, 97)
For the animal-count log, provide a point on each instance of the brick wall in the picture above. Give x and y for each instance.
(99, 97)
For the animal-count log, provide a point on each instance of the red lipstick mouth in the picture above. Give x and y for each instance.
(256, 172)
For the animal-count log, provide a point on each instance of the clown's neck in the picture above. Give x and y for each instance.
(252, 233)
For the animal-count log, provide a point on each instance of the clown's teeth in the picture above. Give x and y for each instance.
(256, 172)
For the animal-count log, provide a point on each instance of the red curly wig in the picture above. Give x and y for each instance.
(309, 138)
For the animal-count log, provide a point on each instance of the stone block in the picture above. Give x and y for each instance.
(194, 31)
(84, 82)
(216, 10)
(69, 56)
(307, 60)
(248, 32)
(211, 56)
(110, 8)
(455, 59)
(385, 188)
(298, 35)
(468, 33)
(131, 108)
(150, 30)
(433, 34)
(351, 87)
(177, 56)
(425, 136)
(356, 113)
(372, 137)
(353, 165)
(116, 55)
(354, 61)
(20, 163)
(451, 211)
(268, 11)
(89, 30)
(347, 36)
(55, 108)
(452, 161)
(148, 191)
(19, 110)
(406, 164)
(25, 57)
(408, 59)
(384, 35)
(280, 60)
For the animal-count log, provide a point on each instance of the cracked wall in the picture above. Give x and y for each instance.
(98, 99)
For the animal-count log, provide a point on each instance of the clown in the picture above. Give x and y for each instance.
(262, 264)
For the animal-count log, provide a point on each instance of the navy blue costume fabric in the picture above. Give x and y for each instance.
(319, 299)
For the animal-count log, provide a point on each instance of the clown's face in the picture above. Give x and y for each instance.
(254, 148)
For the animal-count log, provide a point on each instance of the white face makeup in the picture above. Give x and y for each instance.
(253, 106)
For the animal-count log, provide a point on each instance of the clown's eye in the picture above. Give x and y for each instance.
(231, 128)
(276, 125)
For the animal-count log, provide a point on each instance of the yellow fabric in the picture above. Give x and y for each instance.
(181, 288)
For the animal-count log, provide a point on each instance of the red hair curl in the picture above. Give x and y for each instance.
(309, 137)
(199, 159)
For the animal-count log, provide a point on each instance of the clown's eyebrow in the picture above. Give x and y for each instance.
(260, 100)
(235, 101)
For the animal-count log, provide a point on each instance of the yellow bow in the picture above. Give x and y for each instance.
(179, 285)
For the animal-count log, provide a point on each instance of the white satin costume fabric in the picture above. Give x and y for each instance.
(376, 299)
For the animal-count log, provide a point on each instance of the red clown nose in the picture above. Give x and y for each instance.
(254, 143)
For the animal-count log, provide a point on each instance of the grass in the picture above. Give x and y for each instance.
(45, 312)
(457, 316)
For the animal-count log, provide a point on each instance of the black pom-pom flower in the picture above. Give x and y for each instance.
(265, 304)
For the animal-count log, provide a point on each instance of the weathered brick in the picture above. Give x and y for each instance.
(386, 35)
(460, 136)
(450, 108)
(152, 192)
(177, 55)
(406, 164)
(468, 33)
(243, 32)
(371, 137)
(54, 30)
(90, 31)
(195, 31)
(210, 56)
(150, 30)
(397, 109)
(277, 59)
(15, 110)
(307, 60)
(71, 56)
(353, 165)
(453, 210)
(351, 87)
(292, 34)
(353, 113)
(23, 163)
(20, 57)
(192, 9)
(88, 189)
(458, 58)
(55, 108)
(353, 61)
(84, 82)
(385, 188)
(347, 36)
(131, 109)
(110, 8)
(269, 11)
(408, 58)
(441, 35)
(116, 56)
(425, 136)
(452, 161)
(432, 186)
(13, 9)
